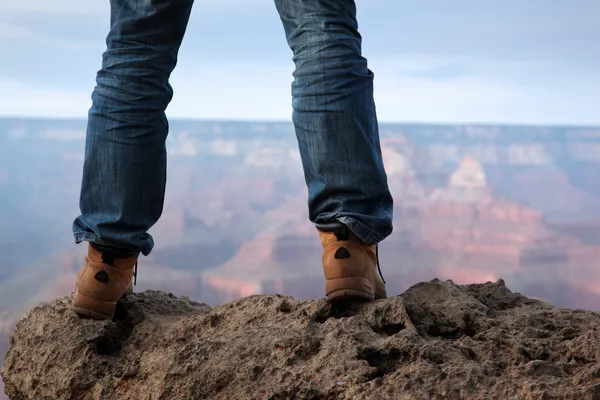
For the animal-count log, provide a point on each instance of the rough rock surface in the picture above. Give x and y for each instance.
(437, 340)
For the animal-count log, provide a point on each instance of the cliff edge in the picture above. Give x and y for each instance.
(437, 340)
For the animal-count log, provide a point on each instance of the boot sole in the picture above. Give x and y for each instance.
(87, 306)
(352, 289)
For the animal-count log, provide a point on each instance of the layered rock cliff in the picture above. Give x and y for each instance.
(437, 340)
(472, 227)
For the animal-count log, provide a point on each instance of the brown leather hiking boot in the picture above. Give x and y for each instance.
(351, 268)
(101, 282)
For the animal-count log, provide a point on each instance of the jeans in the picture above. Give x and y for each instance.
(124, 171)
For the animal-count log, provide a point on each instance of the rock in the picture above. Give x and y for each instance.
(469, 174)
(438, 340)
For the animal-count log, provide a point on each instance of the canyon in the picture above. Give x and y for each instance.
(472, 204)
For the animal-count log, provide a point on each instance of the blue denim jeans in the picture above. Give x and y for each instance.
(124, 172)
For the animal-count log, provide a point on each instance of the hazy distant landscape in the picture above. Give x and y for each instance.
(473, 203)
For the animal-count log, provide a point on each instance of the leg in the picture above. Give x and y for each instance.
(124, 171)
(335, 118)
(336, 127)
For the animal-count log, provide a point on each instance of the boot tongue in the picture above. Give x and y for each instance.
(108, 257)
(342, 233)
(337, 234)
(118, 260)
(112, 257)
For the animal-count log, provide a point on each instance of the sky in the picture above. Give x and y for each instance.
(451, 61)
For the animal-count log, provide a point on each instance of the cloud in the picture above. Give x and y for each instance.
(239, 90)
(69, 7)
(500, 31)
(25, 35)
(459, 61)
(441, 72)
(94, 7)
(9, 31)
(480, 93)
(27, 99)
(490, 93)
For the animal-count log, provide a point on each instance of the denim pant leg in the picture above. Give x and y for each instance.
(124, 171)
(335, 119)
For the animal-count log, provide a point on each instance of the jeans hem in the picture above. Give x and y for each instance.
(142, 245)
(362, 231)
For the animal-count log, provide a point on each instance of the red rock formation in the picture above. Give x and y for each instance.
(466, 219)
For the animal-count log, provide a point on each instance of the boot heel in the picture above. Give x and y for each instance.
(93, 308)
(342, 289)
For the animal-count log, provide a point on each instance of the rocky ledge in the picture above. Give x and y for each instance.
(437, 340)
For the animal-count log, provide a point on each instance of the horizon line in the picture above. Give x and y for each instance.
(289, 121)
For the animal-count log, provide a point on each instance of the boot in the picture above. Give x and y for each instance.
(351, 267)
(103, 280)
